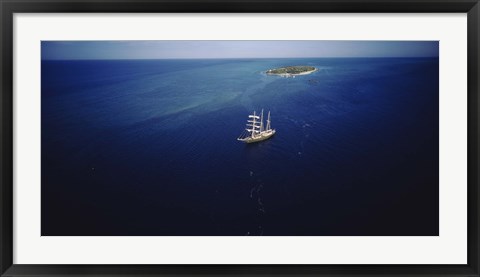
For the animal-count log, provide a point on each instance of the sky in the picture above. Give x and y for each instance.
(208, 49)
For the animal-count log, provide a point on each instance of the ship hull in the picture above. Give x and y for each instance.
(259, 138)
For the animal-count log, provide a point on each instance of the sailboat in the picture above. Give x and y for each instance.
(255, 130)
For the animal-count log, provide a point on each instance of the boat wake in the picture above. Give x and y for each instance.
(256, 195)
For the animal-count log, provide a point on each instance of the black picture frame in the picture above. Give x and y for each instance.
(10, 7)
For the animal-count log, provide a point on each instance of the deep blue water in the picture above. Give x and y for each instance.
(148, 147)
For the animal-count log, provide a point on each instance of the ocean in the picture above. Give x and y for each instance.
(148, 148)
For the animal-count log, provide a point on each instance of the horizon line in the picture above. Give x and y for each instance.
(238, 58)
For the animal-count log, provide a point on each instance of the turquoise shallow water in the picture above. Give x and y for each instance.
(148, 147)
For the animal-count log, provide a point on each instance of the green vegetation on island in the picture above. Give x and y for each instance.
(292, 70)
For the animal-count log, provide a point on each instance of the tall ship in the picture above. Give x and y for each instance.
(256, 131)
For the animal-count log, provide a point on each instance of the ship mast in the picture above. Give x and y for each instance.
(268, 121)
(261, 122)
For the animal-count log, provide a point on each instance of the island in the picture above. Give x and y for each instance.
(291, 71)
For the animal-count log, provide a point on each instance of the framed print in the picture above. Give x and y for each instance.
(255, 138)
